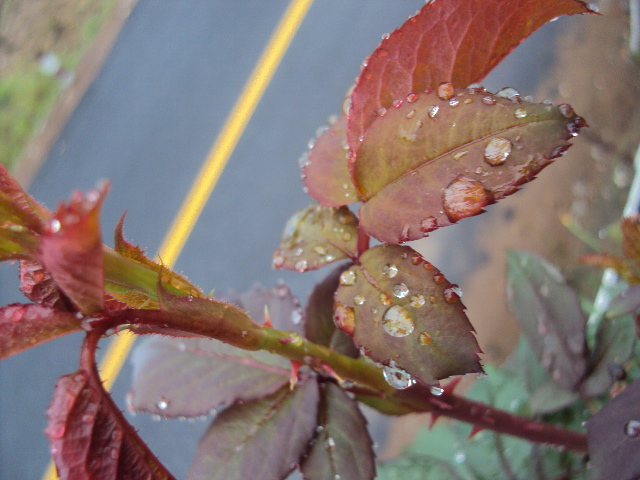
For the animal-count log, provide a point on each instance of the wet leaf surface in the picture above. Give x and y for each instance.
(25, 326)
(342, 447)
(407, 316)
(90, 439)
(550, 316)
(191, 377)
(325, 171)
(457, 41)
(614, 437)
(319, 325)
(315, 237)
(262, 439)
(437, 160)
(71, 250)
(37, 285)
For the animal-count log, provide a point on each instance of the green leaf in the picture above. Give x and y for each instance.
(458, 41)
(342, 447)
(263, 439)
(550, 316)
(417, 467)
(613, 347)
(325, 171)
(191, 377)
(614, 436)
(25, 326)
(478, 147)
(315, 237)
(406, 315)
(551, 397)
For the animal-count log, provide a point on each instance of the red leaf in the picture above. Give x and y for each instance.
(457, 41)
(71, 250)
(259, 440)
(25, 326)
(430, 163)
(37, 285)
(325, 171)
(90, 439)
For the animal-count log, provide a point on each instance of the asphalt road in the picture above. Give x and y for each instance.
(147, 123)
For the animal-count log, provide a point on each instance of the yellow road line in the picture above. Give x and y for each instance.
(207, 177)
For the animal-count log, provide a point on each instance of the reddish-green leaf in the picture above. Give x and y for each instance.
(191, 377)
(315, 237)
(325, 171)
(71, 250)
(37, 285)
(29, 208)
(263, 439)
(90, 439)
(550, 316)
(430, 163)
(342, 447)
(407, 316)
(319, 326)
(457, 41)
(25, 326)
(614, 437)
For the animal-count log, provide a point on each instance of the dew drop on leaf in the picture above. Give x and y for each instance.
(464, 197)
(510, 94)
(432, 111)
(416, 258)
(438, 278)
(397, 322)
(396, 377)
(437, 391)
(412, 97)
(451, 294)
(445, 91)
(428, 225)
(344, 318)
(566, 110)
(390, 270)
(632, 429)
(497, 151)
(488, 100)
(320, 250)
(162, 404)
(424, 338)
(359, 299)
(520, 113)
(385, 299)
(348, 278)
(300, 266)
(417, 301)
(400, 290)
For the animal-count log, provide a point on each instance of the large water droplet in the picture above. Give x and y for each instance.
(566, 110)
(54, 226)
(348, 278)
(400, 290)
(520, 113)
(163, 403)
(632, 429)
(390, 270)
(451, 294)
(344, 318)
(396, 377)
(510, 94)
(412, 97)
(437, 391)
(445, 90)
(497, 151)
(397, 322)
(300, 266)
(417, 301)
(464, 197)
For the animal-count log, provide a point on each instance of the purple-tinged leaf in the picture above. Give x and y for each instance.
(457, 41)
(614, 437)
(263, 439)
(342, 447)
(550, 316)
(404, 313)
(625, 303)
(319, 325)
(613, 347)
(25, 326)
(71, 250)
(325, 171)
(37, 285)
(91, 440)
(315, 237)
(437, 160)
(191, 377)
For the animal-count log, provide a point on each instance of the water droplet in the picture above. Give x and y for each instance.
(410, 115)
(417, 301)
(396, 377)
(437, 391)
(451, 293)
(459, 155)
(346, 236)
(445, 91)
(566, 110)
(300, 266)
(54, 226)
(382, 112)
(424, 338)
(520, 113)
(432, 299)
(479, 171)
(632, 429)
(359, 299)
(348, 278)
(163, 404)
(390, 270)
(382, 53)
(88, 418)
(432, 111)
(296, 317)
(488, 100)
(464, 197)
(475, 88)
(331, 443)
(510, 94)
(297, 252)
(497, 151)
(428, 225)
(400, 290)
(397, 322)
(311, 143)
(416, 258)
(328, 258)
(385, 299)
(396, 103)
(454, 102)
(438, 278)
(344, 318)
(320, 249)
(460, 457)
(412, 97)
